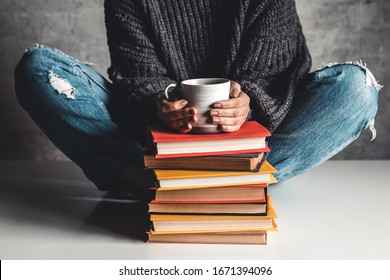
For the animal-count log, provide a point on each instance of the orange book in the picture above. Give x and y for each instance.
(249, 139)
(175, 179)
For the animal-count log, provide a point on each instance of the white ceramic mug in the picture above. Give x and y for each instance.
(202, 94)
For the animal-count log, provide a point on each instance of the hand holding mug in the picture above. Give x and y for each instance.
(175, 115)
(232, 113)
(209, 108)
(201, 94)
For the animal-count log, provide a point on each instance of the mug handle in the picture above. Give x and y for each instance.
(167, 91)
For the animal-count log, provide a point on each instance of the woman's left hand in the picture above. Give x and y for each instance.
(232, 113)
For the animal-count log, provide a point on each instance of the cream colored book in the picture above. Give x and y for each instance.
(249, 237)
(232, 194)
(208, 208)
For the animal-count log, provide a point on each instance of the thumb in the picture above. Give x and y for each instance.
(235, 89)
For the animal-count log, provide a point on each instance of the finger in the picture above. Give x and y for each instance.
(235, 89)
(230, 103)
(240, 101)
(229, 128)
(232, 113)
(180, 114)
(168, 106)
(175, 124)
(184, 129)
(229, 121)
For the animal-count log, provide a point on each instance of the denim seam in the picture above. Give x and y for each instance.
(93, 79)
(87, 82)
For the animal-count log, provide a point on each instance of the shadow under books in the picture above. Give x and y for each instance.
(60, 204)
(121, 216)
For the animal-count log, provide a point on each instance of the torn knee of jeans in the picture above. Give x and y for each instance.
(370, 79)
(373, 130)
(35, 46)
(61, 85)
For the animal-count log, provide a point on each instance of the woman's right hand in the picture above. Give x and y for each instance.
(176, 115)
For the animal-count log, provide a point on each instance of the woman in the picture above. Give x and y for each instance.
(259, 45)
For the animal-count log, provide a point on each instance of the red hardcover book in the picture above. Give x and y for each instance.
(249, 139)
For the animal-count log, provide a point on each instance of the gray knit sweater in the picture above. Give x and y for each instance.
(258, 43)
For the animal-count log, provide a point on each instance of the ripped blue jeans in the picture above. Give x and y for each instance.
(75, 107)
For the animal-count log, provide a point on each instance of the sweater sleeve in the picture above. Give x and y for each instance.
(272, 58)
(136, 70)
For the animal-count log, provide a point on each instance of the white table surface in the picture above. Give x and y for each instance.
(340, 210)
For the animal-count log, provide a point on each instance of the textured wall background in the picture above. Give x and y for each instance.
(336, 30)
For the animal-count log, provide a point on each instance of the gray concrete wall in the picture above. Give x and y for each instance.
(336, 30)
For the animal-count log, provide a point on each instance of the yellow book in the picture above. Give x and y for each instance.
(274, 227)
(163, 174)
(202, 178)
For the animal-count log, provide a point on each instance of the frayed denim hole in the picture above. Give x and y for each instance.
(61, 85)
(370, 79)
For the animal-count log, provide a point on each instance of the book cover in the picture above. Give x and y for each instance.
(247, 130)
(168, 222)
(181, 179)
(185, 174)
(249, 139)
(248, 237)
(212, 151)
(235, 162)
(236, 194)
(214, 225)
(167, 217)
(274, 227)
(208, 208)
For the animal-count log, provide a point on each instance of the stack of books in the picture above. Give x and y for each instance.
(211, 188)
